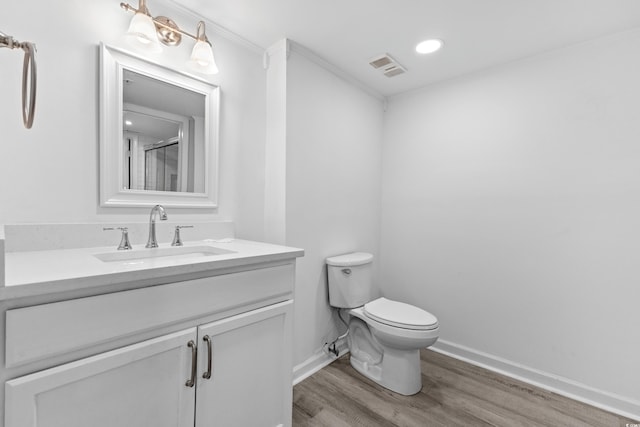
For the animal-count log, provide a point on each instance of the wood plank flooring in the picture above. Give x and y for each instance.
(454, 393)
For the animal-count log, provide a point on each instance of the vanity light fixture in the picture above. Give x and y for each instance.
(429, 46)
(148, 32)
(202, 55)
(142, 30)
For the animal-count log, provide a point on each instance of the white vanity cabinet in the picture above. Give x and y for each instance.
(221, 355)
(138, 385)
(247, 386)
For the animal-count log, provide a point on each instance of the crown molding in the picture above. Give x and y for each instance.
(291, 46)
(318, 60)
(216, 28)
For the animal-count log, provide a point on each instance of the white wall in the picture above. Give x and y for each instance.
(50, 173)
(275, 177)
(511, 206)
(333, 148)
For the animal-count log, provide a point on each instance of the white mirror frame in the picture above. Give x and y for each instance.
(112, 192)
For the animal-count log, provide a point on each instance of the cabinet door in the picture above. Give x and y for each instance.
(138, 385)
(251, 373)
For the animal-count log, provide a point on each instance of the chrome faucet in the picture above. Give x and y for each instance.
(124, 240)
(177, 240)
(152, 242)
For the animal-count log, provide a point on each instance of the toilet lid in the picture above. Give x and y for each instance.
(350, 260)
(400, 315)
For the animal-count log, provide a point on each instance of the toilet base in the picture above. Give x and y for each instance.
(399, 370)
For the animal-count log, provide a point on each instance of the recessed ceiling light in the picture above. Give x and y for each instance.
(128, 122)
(429, 46)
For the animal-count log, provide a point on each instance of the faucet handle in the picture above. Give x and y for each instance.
(177, 241)
(124, 241)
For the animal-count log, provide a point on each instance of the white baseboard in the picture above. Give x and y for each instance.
(318, 361)
(620, 405)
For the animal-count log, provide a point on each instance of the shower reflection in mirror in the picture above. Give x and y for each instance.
(163, 134)
(161, 166)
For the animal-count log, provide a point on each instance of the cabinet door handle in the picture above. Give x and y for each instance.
(194, 360)
(207, 340)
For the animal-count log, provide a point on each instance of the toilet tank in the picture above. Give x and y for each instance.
(350, 280)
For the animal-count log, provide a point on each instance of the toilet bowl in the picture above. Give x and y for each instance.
(385, 336)
(386, 352)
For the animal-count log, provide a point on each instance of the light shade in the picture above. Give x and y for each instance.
(429, 46)
(202, 59)
(142, 33)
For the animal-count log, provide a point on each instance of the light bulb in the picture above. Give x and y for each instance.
(202, 59)
(142, 33)
(429, 46)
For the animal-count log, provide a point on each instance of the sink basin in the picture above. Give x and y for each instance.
(140, 256)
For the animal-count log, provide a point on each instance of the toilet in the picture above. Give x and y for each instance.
(385, 336)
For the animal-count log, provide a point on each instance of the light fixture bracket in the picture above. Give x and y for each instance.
(167, 24)
(168, 31)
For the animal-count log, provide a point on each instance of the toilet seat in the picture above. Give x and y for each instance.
(400, 315)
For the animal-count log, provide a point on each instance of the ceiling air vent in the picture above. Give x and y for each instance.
(387, 65)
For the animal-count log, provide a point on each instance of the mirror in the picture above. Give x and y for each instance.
(163, 135)
(158, 138)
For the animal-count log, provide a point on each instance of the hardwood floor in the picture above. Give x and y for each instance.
(453, 393)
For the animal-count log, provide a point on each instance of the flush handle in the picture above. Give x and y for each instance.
(346, 271)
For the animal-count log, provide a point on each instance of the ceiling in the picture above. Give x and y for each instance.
(477, 33)
(156, 94)
(156, 108)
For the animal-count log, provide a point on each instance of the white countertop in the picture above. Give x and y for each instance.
(45, 272)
